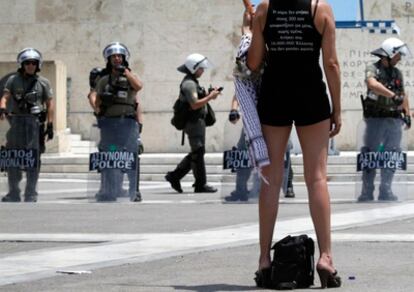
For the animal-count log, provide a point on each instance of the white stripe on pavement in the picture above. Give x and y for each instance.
(115, 237)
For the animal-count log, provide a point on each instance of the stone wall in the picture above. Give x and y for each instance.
(160, 34)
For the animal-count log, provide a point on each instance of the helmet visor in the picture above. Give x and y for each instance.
(28, 54)
(404, 51)
(116, 48)
(203, 63)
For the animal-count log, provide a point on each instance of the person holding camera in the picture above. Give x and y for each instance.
(195, 128)
(114, 100)
(386, 110)
(27, 94)
(242, 193)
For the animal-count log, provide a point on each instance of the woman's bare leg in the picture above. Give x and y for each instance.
(314, 142)
(276, 141)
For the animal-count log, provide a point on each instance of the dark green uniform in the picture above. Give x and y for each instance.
(118, 126)
(29, 96)
(117, 97)
(381, 106)
(383, 129)
(195, 128)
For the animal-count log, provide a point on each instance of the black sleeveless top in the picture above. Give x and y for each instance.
(292, 72)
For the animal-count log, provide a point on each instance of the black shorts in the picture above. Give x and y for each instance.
(303, 104)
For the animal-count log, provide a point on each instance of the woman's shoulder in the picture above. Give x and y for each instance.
(323, 6)
(262, 8)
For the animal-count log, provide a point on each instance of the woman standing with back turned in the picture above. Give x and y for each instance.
(291, 34)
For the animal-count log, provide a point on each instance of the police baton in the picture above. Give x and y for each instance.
(363, 104)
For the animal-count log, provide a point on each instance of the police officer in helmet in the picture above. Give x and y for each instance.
(115, 97)
(386, 109)
(197, 98)
(27, 94)
(116, 56)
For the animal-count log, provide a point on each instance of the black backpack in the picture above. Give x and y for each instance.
(293, 263)
(181, 114)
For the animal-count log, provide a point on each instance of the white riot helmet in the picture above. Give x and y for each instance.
(116, 48)
(29, 54)
(392, 46)
(193, 62)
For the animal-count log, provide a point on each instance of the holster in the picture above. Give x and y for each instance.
(371, 110)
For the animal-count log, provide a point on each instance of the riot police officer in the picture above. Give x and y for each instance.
(94, 75)
(115, 97)
(27, 93)
(385, 110)
(195, 128)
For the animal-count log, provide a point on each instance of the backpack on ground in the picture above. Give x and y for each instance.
(293, 263)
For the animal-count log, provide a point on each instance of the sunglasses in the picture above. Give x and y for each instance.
(34, 63)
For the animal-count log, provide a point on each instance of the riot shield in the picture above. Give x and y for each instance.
(113, 164)
(381, 161)
(244, 185)
(19, 140)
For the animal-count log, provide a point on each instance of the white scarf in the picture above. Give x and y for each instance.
(247, 85)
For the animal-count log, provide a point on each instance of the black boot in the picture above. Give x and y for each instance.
(137, 197)
(235, 196)
(11, 198)
(385, 192)
(174, 181)
(199, 170)
(387, 195)
(174, 177)
(30, 193)
(134, 193)
(367, 192)
(289, 191)
(14, 176)
(205, 189)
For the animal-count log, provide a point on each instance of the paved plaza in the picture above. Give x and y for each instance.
(189, 242)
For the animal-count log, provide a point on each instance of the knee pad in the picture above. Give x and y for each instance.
(198, 153)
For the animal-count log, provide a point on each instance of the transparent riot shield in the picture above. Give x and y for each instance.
(19, 155)
(381, 161)
(113, 163)
(243, 185)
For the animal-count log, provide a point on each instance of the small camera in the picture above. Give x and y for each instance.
(220, 89)
(234, 115)
(120, 69)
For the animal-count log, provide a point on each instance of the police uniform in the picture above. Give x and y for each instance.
(195, 128)
(117, 112)
(28, 97)
(383, 126)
